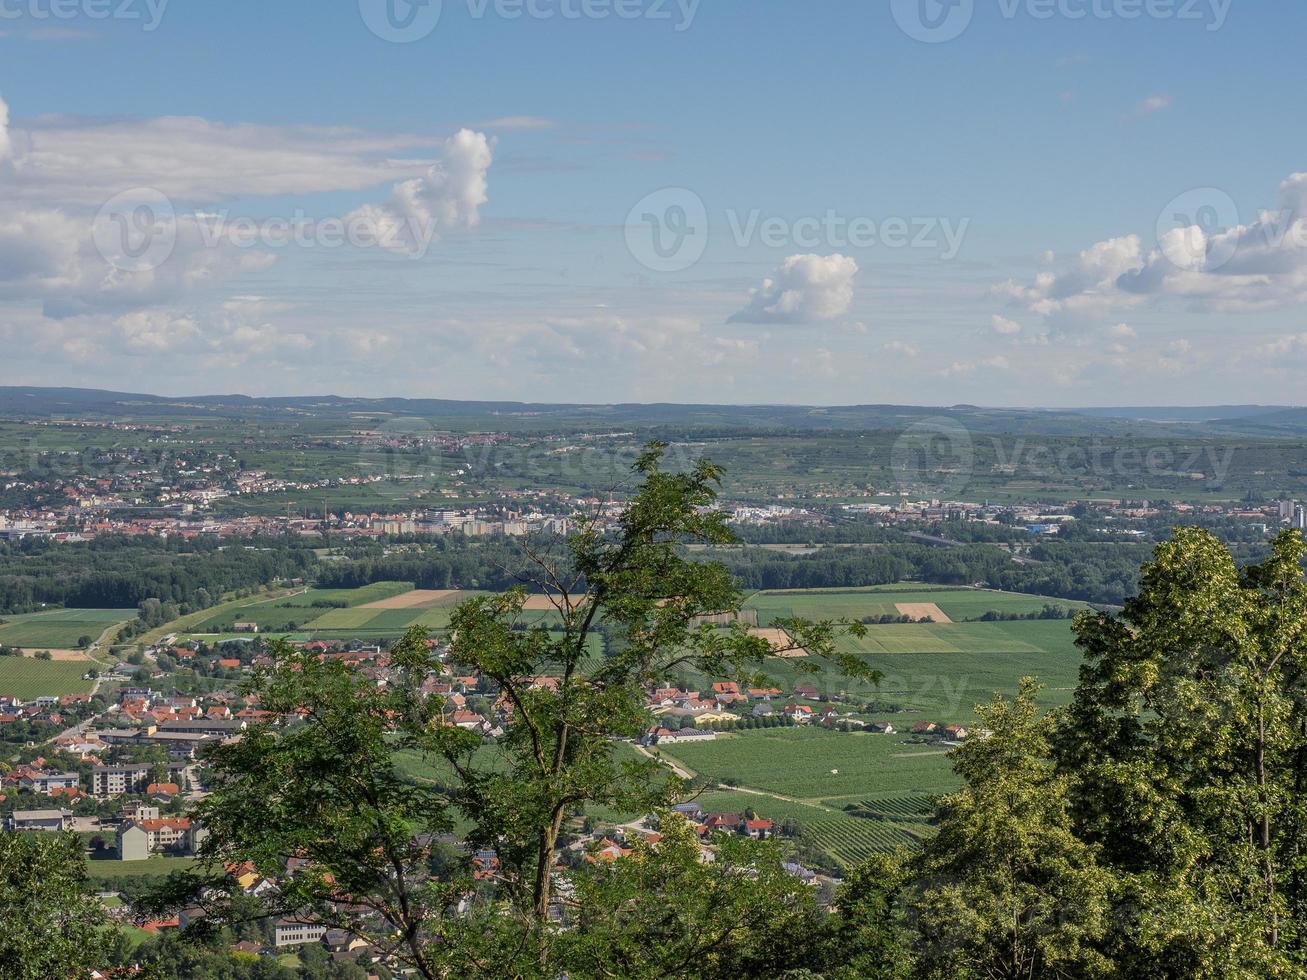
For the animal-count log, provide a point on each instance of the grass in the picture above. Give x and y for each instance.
(28, 678)
(110, 868)
(815, 765)
(956, 603)
(185, 624)
(59, 629)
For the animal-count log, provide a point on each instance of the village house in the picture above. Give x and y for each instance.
(139, 838)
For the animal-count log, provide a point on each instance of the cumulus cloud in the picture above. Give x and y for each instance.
(72, 192)
(449, 195)
(1260, 265)
(1002, 325)
(806, 288)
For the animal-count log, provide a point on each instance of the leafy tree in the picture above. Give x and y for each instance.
(666, 912)
(1188, 742)
(324, 796)
(1006, 890)
(51, 923)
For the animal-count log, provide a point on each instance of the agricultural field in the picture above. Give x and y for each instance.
(812, 764)
(856, 793)
(852, 794)
(59, 629)
(157, 865)
(28, 678)
(958, 604)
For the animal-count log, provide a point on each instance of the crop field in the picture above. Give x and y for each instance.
(59, 628)
(956, 603)
(815, 764)
(850, 840)
(375, 592)
(27, 678)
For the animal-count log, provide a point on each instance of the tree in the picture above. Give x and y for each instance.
(558, 747)
(51, 922)
(324, 794)
(1006, 890)
(665, 912)
(323, 807)
(1188, 742)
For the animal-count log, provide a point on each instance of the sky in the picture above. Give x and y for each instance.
(997, 202)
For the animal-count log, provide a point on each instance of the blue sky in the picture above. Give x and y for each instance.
(1051, 209)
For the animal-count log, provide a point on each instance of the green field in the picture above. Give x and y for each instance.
(956, 603)
(59, 629)
(158, 865)
(28, 678)
(852, 794)
(812, 764)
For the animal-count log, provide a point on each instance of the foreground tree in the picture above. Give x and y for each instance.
(1187, 743)
(1006, 890)
(322, 805)
(669, 910)
(51, 923)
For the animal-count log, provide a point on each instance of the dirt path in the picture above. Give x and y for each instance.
(687, 774)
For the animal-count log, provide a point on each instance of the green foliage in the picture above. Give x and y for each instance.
(665, 912)
(1006, 889)
(51, 924)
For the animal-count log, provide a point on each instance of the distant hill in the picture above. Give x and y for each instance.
(1215, 422)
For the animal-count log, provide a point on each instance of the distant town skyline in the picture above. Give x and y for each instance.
(995, 202)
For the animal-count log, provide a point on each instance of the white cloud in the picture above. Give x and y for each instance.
(1261, 265)
(899, 347)
(6, 146)
(78, 162)
(962, 369)
(1154, 104)
(804, 289)
(450, 195)
(65, 171)
(1002, 325)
